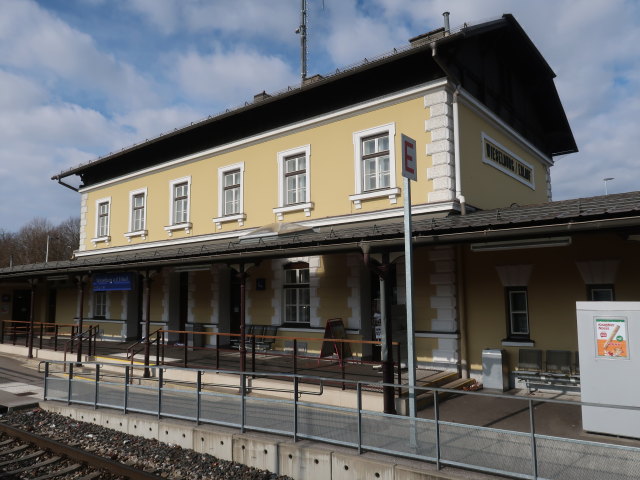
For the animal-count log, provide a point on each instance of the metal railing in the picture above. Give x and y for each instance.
(54, 332)
(437, 436)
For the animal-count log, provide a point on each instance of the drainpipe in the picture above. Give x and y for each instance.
(462, 313)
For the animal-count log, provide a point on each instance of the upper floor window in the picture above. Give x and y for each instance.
(375, 163)
(297, 309)
(517, 312)
(600, 293)
(103, 219)
(294, 193)
(137, 212)
(230, 194)
(375, 166)
(179, 207)
(103, 212)
(180, 203)
(295, 179)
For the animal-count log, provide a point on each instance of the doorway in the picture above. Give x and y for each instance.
(21, 309)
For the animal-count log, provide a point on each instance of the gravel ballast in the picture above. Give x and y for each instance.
(163, 460)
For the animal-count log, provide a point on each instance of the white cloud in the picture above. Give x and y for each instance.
(34, 40)
(231, 77)
(275, 20)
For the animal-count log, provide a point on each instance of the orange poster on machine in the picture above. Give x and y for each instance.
(611, 338)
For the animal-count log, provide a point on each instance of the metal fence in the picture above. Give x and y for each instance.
(518, 452)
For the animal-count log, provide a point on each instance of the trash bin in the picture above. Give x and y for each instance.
(495, 370)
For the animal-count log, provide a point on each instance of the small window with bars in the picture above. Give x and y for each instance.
(518, 312)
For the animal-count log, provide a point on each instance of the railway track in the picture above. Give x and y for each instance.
(25, 455)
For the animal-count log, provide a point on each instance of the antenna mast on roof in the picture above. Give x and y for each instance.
(302, 30)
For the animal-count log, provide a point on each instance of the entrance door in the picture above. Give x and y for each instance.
(21, 305)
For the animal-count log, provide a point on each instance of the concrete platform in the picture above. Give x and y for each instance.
(12, 401)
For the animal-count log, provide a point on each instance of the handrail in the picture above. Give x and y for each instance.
(142, 342)
(90, 333)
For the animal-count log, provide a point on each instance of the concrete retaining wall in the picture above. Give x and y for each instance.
(303, 460)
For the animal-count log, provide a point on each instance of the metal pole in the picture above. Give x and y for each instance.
(302, 30)
(198, 397)
(295, 408)
(295, 356)
(184, 342)
(95, 399)
(436, 411)
(146, 283)
(69, 384)
(243, 381)
(534, 454)
(31, 316)
(126, 388)
(80, 315)
(217, 352)
(359, 399)
(46, 377)
(243, 338)
(408, 256)
(160, 380)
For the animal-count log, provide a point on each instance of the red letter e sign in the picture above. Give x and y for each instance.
(409, 158)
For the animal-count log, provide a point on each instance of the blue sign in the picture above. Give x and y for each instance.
(103, 282)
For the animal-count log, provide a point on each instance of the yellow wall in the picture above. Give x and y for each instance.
(66, 304)
(201, 296)
(483, 185)
(331, 163)
(333, 289)
(554, 287)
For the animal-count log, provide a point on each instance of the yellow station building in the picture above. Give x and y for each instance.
(301, 191)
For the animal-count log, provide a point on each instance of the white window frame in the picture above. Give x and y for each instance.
(186, 226)
(240, 216)
(392, 192)
(102, 238)
(306, 205)
(297, 287)
(140, 232)
(105, 305)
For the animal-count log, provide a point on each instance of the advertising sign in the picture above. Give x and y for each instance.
(611, 337)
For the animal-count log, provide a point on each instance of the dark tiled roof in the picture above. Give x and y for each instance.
(567, 216)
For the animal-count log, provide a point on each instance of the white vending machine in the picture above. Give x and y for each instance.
(609, 347)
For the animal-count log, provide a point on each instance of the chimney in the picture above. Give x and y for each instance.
(447, 30)
(260, 96)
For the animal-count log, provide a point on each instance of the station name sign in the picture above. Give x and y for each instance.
(105, 282)
(499, 157)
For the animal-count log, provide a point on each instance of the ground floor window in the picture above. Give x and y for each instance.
(296, 294)
(100, 305)
(517, 312)
(600, 293)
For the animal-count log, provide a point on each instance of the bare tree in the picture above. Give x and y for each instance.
(39, 241)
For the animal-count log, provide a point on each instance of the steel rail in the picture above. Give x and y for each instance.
(77, 454)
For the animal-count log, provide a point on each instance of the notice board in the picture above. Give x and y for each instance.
(334, 330)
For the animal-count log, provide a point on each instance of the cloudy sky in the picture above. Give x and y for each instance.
(82, 78)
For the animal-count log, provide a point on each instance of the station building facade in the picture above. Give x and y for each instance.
(301, 192)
